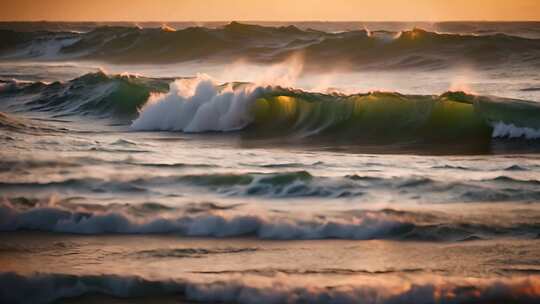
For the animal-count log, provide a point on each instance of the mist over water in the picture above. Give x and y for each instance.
(273, 163)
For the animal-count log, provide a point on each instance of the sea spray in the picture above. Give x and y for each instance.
(198, 105)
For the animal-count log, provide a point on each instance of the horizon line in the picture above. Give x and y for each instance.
(282, 21)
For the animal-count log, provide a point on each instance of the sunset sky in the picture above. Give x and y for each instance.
(276, 10)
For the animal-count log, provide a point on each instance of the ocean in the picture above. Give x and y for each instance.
(267, 162)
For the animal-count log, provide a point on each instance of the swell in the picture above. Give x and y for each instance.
(217, 222)
(48, 288)
(414, 48)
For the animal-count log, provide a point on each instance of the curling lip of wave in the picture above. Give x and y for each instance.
(413, 48)
(48, 288)
(197, 106)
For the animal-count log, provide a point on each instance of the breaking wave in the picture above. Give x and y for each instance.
(48, 288)
(265, 111)
(215, 221)
(209, 225)
(200, 105)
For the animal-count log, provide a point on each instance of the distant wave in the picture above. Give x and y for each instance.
(414, 48)
(211, 221)
(48, 288)
(524, 29)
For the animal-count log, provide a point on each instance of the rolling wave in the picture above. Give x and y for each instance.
(212, 221)
(49, 288)
(199, 104)
(96, 94)
(53, 219)
(414, 48)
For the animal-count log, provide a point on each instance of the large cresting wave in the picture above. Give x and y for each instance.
(201, 105)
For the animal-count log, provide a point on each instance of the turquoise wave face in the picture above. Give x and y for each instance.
(392, 116)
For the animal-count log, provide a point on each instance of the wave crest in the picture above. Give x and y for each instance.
(220, 222)
(216, 224)
(198, 105)
(414, 48)
(201, 105)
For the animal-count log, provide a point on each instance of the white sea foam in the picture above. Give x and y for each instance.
(503, 130)
(198, 105)
(211, 224)
(201, 104)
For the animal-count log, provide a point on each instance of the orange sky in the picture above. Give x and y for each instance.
(276, 10)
